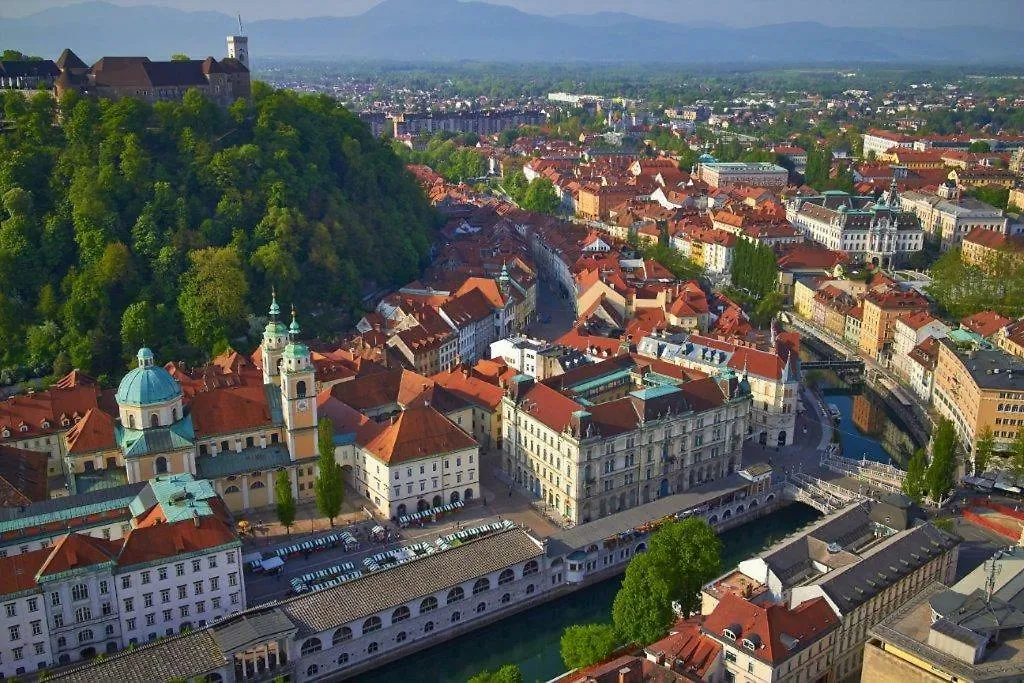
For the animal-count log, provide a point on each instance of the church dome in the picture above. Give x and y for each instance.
(147, 384)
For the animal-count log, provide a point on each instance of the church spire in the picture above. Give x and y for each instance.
(294, 329)
(275, 310)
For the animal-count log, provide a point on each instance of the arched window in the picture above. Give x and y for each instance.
(400, 614)
(456, 594)
(214, 678)
(257, 485)
(311, 645)
(154, 420)
(79, 591)
(400, 638)
(300, 389)
(506, 598)
(341, 635)
(109, 630)
(428, 627)
(480, 607)
(161, 465)
(481, 585)
(312, 670)
(456, 616)
(62, 642)
(230, 489)
(131, 422)
(530, 568)
(428, 604)
(372, 647)
(343, 659)
(372, 624)
(85, 636)
(530, 589)
(507, 576)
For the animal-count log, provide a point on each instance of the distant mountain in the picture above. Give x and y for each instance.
(445, 30)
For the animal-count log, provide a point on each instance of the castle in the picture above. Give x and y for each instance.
(115, 78)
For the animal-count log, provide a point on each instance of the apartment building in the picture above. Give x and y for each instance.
(881, 311)
(970, 631)
(178, 567)
(947, 216)
(864, 562)
(773, 379)
(977, 386)
(617, 434)
(877, 142)
(992, 251)
(911, 330)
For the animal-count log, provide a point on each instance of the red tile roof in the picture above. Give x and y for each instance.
(464, 384)
(94, 432)
(23, 477)
(995, 240)
(78, 550)
(806, 624)
(402, 387)
(685, 648)
(419, 432)
(916, 320)
(162, 540)
(18, 572)
(230, 409)
(985, 323)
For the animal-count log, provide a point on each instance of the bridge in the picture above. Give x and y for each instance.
(876, 474)
(835, 365)
(821, 495)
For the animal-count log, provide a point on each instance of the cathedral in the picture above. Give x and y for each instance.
(237, 435)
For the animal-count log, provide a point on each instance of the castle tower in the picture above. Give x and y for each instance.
(298, 395)
(275, 337)
(238, 46)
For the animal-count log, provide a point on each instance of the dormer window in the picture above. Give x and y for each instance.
(64, 421)
(752, 642)
(6, 432)
(46, 424)
(732, 632)
(23, 427)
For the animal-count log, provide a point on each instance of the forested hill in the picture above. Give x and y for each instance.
(123, 224)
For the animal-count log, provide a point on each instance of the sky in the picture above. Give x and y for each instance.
(892, 13)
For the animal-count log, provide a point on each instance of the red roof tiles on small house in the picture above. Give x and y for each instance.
(79, 550)
(985, 323)
(94, 432)
(419, 432)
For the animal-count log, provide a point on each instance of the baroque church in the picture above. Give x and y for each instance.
(237, 436)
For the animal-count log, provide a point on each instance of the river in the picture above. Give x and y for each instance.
(531, 639)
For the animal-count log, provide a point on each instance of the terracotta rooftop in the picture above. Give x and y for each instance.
(418, 432)
(79, 550)
(23, 477)
(94, 432)
(985, 323)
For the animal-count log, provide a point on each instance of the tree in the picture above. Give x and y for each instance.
(942, 469)
(979, 146)
(983, 449)
(329, 486)
(586, 644)
(915, 485)
(1017, 453)
(180, 57)
(687, 554)
(642, 610)
(212, 300)
(285, 499)
(509, 673)
(540, 196)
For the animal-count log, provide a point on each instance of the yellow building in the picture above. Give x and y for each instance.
(992, 251)
(881, 309)
(977, 388)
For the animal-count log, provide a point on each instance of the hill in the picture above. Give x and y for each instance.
(127, 224)
(413, 30)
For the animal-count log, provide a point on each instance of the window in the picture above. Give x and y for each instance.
(506, 576)
(58, 621)
(231, 558)
(37, 628)
(372, 624)
(83, 614)
(456, 616)
(11, 609)
(104, 588)
(428, 627)
(179, 569)
(212, 560)
(311, 645)
(400, 614)
(14, 632)
(480, 607)
(40, 648)
(428, 604)
(150, 619)
(214, 583)
(162, 572)
(456, 594)
(130, 624)
(106, 608)
(129, 605)
(85, 636)
(147, 600)
(312, 670)
(400, 638)
(216, 603)
(54, 599)
(126, 581)
(33, 604)
(145, 578)
(343, 659)
(530, 588)
(530, 567)
(481, 585)
(182, 592)
(196, 566)
(233, 579)
(19, 653)
(79, 591)
(341, 635)
(371, 648)
(506, 598)
(197, 587)
(167, 615)
(184, 610)
(200, 607)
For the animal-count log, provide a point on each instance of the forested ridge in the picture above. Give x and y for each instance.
(124, 224)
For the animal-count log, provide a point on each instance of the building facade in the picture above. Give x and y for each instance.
(724, 175)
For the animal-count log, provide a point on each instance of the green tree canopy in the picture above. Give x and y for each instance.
(586, 644)
(687, 553)
(983, 448)
(509, 673)
(915, 484)
(540, 196)
(942, 469)
(180, 57)
(642, 610)
(285, 500)
(329, 485)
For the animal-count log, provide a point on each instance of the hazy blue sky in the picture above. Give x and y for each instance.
(893, 13)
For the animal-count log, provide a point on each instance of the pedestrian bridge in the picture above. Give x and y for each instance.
(876, 474)
(821, 495)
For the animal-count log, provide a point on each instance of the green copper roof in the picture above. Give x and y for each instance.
(247, 460)
(180, 497)
(275, 310)
(296, 350)
(147, 384)
(138, 442)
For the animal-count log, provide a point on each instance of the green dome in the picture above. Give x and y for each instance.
(296, 350)
(276, 327)
(147, 384)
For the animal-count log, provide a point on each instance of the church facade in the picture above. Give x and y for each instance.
(237, 436)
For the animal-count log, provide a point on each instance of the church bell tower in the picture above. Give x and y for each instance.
(275, 336)
(298, 395)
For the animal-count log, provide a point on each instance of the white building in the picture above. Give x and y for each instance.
(723, 175)
(519, 353)
(910, 330)
(878, 142)
(881, 232)
(948, 217)
(178, 568)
